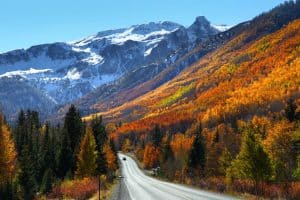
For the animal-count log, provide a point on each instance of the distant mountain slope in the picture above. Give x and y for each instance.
(16, 94)
(64, 72)
(141, 81)
(103, 99)
(236, 81)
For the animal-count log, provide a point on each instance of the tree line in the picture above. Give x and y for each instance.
(258, 156)
(34, 157)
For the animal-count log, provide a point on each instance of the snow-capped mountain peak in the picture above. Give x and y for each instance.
(137, 33)
(64, 72)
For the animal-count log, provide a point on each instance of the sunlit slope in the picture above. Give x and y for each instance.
(235, 81)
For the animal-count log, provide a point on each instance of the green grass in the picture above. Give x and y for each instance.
(176, 96)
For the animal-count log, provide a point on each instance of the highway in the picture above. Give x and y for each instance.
(142, 187)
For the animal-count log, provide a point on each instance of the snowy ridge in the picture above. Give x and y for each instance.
(64, 72)
(22, 73)
(222, 27)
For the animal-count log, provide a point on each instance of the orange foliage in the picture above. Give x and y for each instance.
(254, 79)
(111, 158)
(8, 154)
(151, 156)
(181, 144)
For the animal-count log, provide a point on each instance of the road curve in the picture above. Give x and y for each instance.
(142, 187)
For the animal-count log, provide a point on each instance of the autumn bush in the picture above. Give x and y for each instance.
(75, 189)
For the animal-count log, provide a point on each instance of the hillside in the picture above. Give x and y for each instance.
(229, 122)
(106, 62)
(127, 104)
(235, 82)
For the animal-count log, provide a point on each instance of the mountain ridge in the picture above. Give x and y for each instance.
(67, 71)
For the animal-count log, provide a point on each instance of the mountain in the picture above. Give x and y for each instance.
(107, 98)
(64, 72)
(254, 73)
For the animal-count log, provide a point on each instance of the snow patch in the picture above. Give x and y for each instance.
(25, 72)
(148, 51)
(73, 74)
(93, 59)
(222, 27)
(120, 38)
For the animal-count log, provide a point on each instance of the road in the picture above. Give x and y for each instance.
(142, 187)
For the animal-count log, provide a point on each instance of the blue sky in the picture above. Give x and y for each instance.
(28, 22)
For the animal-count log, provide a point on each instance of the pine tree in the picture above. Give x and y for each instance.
(87, 156)
(46, 154)
(290, 110)
(74, 127)
(26, 177)
(100, 136)
(99, 131)
(64, 157)
(157, 136)
(19, 132)
(101, 163)
(47, 181)
(197, 155)
(252, 162)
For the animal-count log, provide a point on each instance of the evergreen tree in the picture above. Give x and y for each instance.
(197, 155)
(64, 157)
(252, 162)
(47, 181)
(74, 127)
(157, 136)
(101, 163)
(290, 110)
(99, 131)
(46, 154)
(100, 136)
(26, 177)
(87, 157)
(19, 132)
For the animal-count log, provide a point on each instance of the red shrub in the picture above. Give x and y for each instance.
(76, 189)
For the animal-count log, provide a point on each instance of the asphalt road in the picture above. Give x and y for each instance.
(142, 187)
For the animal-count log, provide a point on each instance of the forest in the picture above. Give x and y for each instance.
(54, 161)
(259, 157)
(230, 122)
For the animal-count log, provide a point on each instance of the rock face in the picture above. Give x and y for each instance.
(59, 73)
